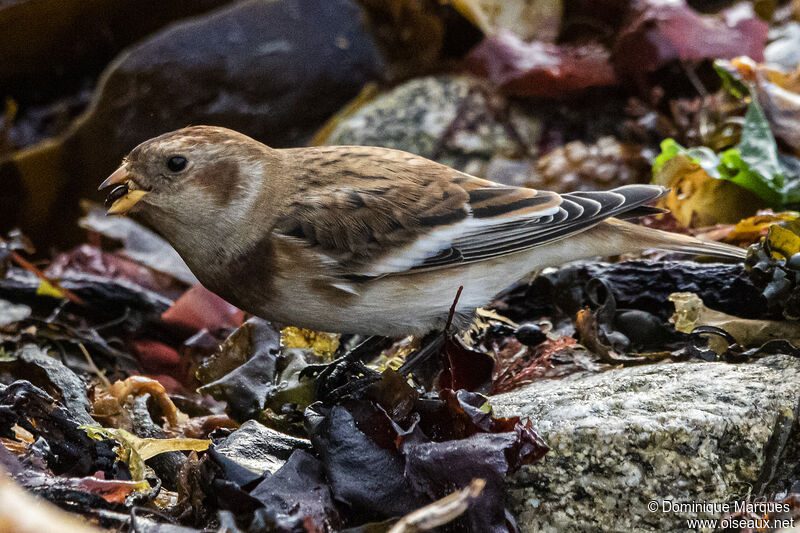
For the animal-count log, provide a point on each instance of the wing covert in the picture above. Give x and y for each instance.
(380, 212)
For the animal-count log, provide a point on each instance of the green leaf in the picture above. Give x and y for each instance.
(703, 156)
(758, 147)
(754, 164)
(731, 80)
(707, 159)
(669, 149)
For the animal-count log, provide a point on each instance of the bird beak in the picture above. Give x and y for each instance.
(123, 197)
(118, 176)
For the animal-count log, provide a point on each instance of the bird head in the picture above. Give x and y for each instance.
(189, 177)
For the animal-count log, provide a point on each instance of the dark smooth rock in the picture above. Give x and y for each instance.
(274, 70)
(43, 53)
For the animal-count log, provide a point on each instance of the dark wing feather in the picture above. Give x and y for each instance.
(378, 212)
(578, 211)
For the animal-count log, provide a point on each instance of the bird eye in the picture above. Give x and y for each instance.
(176, 163)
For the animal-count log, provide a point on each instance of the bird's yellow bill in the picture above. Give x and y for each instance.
(123, 196)
(123, 204)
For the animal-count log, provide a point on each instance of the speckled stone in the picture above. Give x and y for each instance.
(684, 432)
(416, 115)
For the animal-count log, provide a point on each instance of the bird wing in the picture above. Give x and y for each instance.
(379, 212)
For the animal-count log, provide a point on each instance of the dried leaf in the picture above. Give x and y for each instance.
(659, 32)
(541, 69)
(138, 385)
(696, 199)
(752, 229)
(134, 451)
(441, 511)
(690, 312)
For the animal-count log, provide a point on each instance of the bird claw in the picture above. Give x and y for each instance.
(343, 377)
(335, 380)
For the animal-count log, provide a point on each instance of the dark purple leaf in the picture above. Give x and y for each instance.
(246, 387)
(298, 494)
(365, 471)
(661, 32)
(436, 469)
(464, 367)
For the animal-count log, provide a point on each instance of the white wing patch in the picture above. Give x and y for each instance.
(442, 238)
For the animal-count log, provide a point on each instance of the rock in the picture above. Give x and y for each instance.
(605, 164)
(35, 365)
(11, 312)
(55, 54)
(683, 432)
(784, 47)
(274, 70)
(259, 448)
(451, 119)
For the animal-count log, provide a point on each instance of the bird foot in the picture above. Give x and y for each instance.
(346, 375)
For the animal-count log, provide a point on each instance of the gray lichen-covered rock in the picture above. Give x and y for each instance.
(677, 432)
(447, 118)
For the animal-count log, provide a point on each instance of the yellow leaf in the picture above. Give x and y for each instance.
(322, 344)
(697, 200)
(134, 451)
(783, 242)
(751, 229)
(148, 448)
(46, 288)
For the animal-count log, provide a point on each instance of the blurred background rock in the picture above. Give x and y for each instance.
(272, 70)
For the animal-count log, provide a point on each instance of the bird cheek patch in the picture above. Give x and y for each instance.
(220, 179)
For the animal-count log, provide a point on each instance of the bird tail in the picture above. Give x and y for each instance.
(641, 238)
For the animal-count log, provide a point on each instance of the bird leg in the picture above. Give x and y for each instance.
(431, 345)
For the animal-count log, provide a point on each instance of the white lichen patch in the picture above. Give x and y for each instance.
(683, 432)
